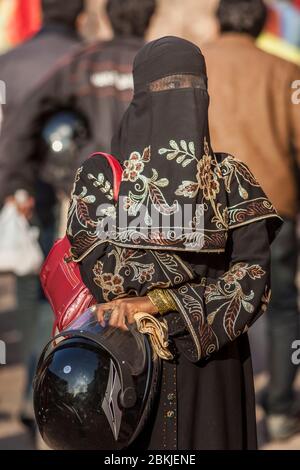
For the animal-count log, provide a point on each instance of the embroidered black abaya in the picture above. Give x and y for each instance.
(217, 270)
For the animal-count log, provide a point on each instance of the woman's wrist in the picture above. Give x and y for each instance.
(162, 300)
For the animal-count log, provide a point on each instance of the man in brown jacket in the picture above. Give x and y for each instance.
(255, 116)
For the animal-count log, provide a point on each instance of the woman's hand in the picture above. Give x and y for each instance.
(123, 311)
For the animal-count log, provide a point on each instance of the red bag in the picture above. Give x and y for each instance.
(60, 275)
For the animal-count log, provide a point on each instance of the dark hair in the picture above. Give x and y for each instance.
(130, 17)
(242, 16)
(58, 11)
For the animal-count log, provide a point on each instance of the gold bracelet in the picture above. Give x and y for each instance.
(162, 300)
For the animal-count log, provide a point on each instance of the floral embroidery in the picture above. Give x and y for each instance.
(231, 173)
(126, 265)
(146, 274)
(135, 165)
(191, 306)
(145, 188)
(212, 312)
(79, 209)
(208, 180)
(265, 300)
(104, 185)
(228, 195)
(224, 188)
(82, 226)
(173, 266)
(127, 259)
(133, 266)
(233, 168)
(183, 153)
(229, 289)
(196, 302)
(111, 284)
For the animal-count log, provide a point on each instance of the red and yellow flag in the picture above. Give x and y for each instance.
(19, 20)
(25, 20)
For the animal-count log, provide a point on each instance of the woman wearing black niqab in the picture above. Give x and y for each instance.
(207, 276)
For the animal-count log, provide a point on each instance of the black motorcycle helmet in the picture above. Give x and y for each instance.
(94, 387)
(64, 136)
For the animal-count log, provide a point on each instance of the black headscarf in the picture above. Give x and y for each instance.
(162, 132)
(170, 102)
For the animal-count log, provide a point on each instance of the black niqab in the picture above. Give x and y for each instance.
(162, 138)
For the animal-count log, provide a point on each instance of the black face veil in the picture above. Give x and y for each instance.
(163, 135)
(170, 100)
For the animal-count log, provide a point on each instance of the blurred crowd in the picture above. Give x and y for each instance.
(66, 70)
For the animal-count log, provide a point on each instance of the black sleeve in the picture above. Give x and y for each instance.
(217, 311)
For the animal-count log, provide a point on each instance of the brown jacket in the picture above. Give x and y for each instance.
(252, 115)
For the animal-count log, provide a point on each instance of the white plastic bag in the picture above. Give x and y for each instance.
(20, 252)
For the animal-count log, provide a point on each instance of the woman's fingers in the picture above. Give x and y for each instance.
(130, 317)
(128, 311)
(101, 312)
(117, 319)
(122, 323)
(114, 317)
(119, 313)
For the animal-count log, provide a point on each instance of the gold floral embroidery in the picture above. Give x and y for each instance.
(145, 188)
(123, 263)
(104, 185)
(208, 180)
(81, 226)
(265, 300)
(227, 192)
(79, 209)
(190, 303)
(111, 284)
(229, 289)
(224, 188)
(233, 168)
(184, 153)
(230, 172)
(127, 262)
(135, 165)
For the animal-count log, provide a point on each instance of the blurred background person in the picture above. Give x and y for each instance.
(95, 82)
(251, 91)
(21, 69)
